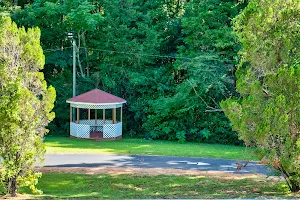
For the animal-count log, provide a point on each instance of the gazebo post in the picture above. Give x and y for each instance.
(95, 116)
(104, 116)
(77, 115)
(71, 114)
(121, 114)
(114, 115)
(89, 115)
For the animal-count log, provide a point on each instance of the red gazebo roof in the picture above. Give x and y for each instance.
(96, 96)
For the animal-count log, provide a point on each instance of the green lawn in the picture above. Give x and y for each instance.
(65, 145)
(58, 186)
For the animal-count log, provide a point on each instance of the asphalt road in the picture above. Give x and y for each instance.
(139, 161)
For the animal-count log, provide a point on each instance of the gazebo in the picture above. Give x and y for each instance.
(103, 125)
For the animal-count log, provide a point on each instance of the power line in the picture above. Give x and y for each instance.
(53, 50)
(129, 53)
(134, 40)
(120, 52)
(143, 54)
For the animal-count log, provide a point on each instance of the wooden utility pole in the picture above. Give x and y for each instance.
(71, 36)
(74, 67)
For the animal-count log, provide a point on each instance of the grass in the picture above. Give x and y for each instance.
(65, 145)
(79, 186)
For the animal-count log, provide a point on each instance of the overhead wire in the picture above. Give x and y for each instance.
(58, 49)
(136, 54)
(127, 53)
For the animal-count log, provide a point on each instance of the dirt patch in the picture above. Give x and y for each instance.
(18, 197)
(147, 171)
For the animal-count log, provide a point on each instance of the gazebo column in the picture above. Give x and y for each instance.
(95, 116)
(121, 114)
(71, 113)
(77, 115)
(103, 116)
(89, 115)
(114, 115)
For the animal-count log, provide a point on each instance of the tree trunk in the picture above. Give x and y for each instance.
(123, 3)
(294, 186)
(78, 56)
(86, 55)
(16, 2)
(12, 187)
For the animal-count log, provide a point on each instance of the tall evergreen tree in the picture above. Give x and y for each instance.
(25, 105)
(268, 79)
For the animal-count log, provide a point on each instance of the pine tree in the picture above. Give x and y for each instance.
(268, 79)
(25, 105)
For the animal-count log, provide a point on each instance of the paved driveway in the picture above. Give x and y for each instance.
(139, 161)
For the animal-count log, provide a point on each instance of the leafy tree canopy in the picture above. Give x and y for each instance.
(155, 54)
(203, 77)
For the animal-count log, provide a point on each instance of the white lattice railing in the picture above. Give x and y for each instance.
(112, 130)
(93, 123)
(80, 130)
(83, 129)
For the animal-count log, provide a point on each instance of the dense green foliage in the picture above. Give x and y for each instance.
(268, 78)
(202, 78)
(25, 105)
(173, 61)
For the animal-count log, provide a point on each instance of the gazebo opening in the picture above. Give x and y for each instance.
(97, 115)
